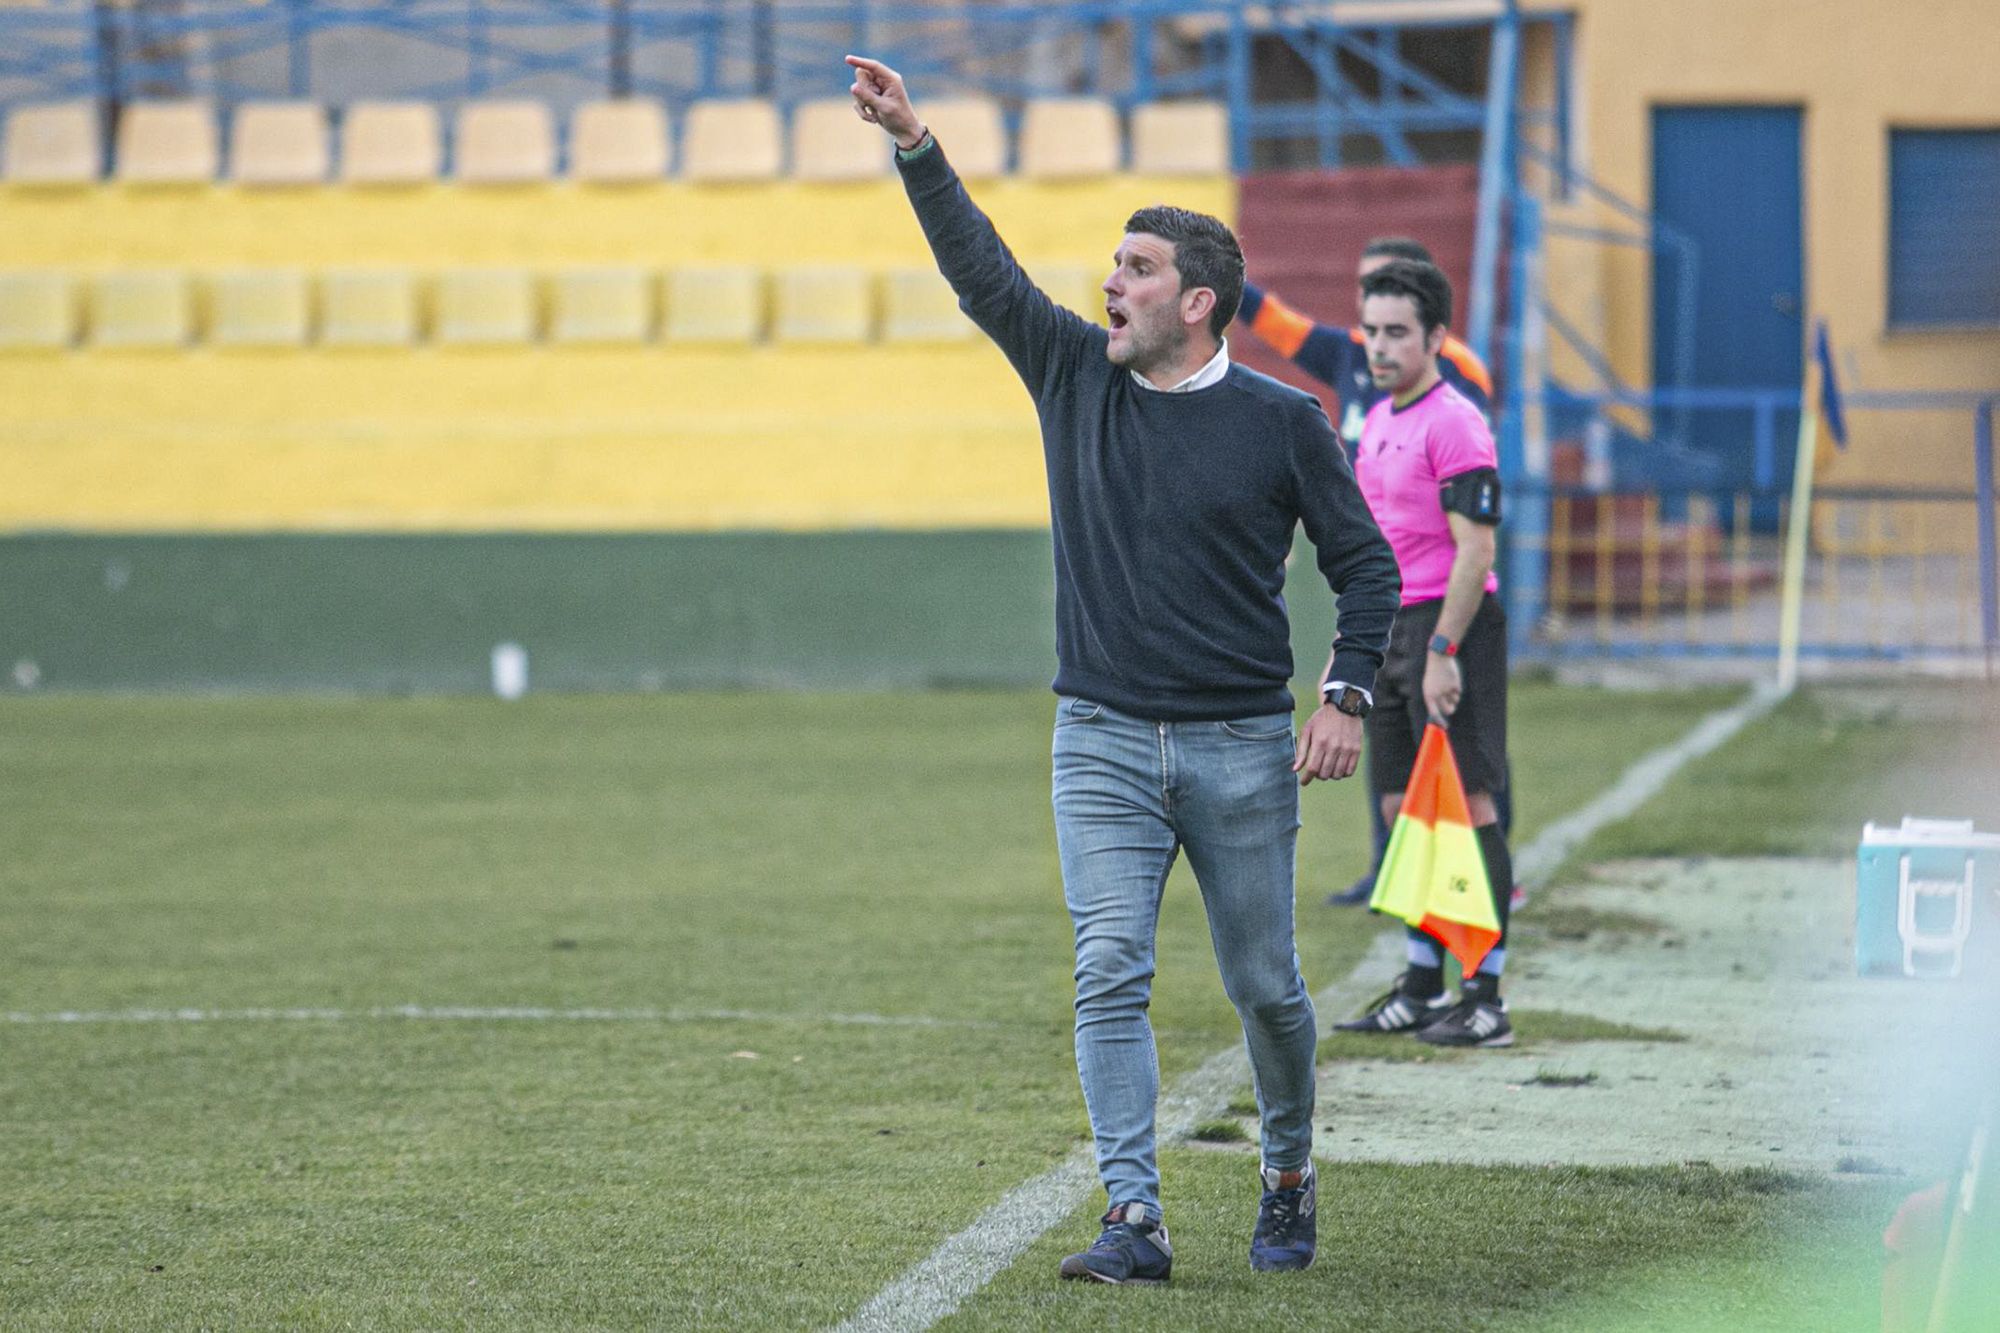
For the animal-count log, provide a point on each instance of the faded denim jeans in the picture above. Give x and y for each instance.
(1129, 796)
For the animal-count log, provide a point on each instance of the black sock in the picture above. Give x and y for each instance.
(1423, 983)
(1485, 986)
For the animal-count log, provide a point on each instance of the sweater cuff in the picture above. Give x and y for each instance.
(924, 145)
(1354, 666)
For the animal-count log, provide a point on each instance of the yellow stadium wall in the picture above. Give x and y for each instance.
(1859, 68)
(657, 437)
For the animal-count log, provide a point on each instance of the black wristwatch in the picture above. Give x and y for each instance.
(1443, 647)
(1348, 700)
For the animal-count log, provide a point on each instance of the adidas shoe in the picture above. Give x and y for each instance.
(1287, 1234)
(1132, 1249)
(1478, 1019)
(1399, 1011)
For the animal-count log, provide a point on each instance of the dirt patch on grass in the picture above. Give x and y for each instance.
(1735, 1033)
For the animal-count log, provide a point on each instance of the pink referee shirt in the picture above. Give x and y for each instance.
(1405, 456)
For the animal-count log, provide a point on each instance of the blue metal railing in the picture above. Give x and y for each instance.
(1662, 480)
(338, 51)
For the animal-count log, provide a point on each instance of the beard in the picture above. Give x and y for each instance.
(1142, 350)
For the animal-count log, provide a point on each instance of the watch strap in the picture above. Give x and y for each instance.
(1443, 646)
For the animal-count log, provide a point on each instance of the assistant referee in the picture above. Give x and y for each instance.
(1430, 474)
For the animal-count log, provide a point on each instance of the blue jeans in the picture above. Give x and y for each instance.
(1129, 795)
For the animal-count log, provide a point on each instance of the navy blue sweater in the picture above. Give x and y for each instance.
(1173, 513)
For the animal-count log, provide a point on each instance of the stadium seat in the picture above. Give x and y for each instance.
(367, 308)
(621, 140)
(714, 305)
(831, 143)
(167, 143)
(259, 308)
(484, 307)
(141, 308)
(504, 143)
(734, 140)
(1063, 137)
(601, 305)
(52, 143)
(278, 143)
(389, 143)
(1181, 138)
(37, 311)
(918, 305)
(823, 304)
(1073, 286)
(972, 133)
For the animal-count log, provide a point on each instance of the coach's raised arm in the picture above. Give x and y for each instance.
(1034, 332)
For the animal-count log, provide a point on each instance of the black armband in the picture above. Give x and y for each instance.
(1475, 494)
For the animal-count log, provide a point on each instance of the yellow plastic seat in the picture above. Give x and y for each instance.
(52, 143)
(616, 141)
(602, 305)
(484, 307)
(831, 143)
(259, 308)
(505, 143)
(1181, 139)
(37, 311)
(167, 143)
(731, 140)
(918, 305)
(389, 143)
(972, 133)
(278, 143)
(367, 308)
(1067, 137)
(1073, 286)
(141, 308)
(823, 303)
(714, 305)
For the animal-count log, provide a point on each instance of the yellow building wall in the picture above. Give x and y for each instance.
(1859, 68)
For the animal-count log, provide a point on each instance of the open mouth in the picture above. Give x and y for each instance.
(1116, 317)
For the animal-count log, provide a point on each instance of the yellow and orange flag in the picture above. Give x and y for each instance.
(1433, 875)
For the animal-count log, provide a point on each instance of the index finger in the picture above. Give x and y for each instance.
(872, 66)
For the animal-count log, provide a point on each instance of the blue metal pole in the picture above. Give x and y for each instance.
(1239, 90)
(1524, 461)
(1989, 554)
(299, 49)
(1764, 459)
(1496, 174)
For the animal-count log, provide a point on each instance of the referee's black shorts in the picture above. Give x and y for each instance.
(1478, 729)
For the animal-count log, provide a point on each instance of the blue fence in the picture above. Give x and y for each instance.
(1628, 544)
(565, 51)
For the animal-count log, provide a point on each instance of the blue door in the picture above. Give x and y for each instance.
(1727, 179)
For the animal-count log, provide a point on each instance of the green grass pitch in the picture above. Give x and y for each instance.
(744, 884)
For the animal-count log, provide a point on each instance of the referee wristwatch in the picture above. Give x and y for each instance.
(1349, 699)
(1443, 647)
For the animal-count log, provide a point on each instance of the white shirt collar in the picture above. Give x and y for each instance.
(1212, 373)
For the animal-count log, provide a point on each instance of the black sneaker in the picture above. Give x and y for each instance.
(1131, 1250)
(1399, 1011)
(1478, 1019)
(1287, 1234)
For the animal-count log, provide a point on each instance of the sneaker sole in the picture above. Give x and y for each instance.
(1087, 1276)
(1256, 1267)
(1491, 1043)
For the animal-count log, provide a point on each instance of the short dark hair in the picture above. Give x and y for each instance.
(1205, 254)
(1397, 247)
(1425, 284)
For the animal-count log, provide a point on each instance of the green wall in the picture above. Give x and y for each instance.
(421, 613)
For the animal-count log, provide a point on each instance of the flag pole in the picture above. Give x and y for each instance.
(1797, 530)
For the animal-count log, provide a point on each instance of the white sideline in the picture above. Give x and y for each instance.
(504, 1014)
(1001, 1234)
(938, 1284)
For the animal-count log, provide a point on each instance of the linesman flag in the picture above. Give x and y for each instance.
(1433, 875)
